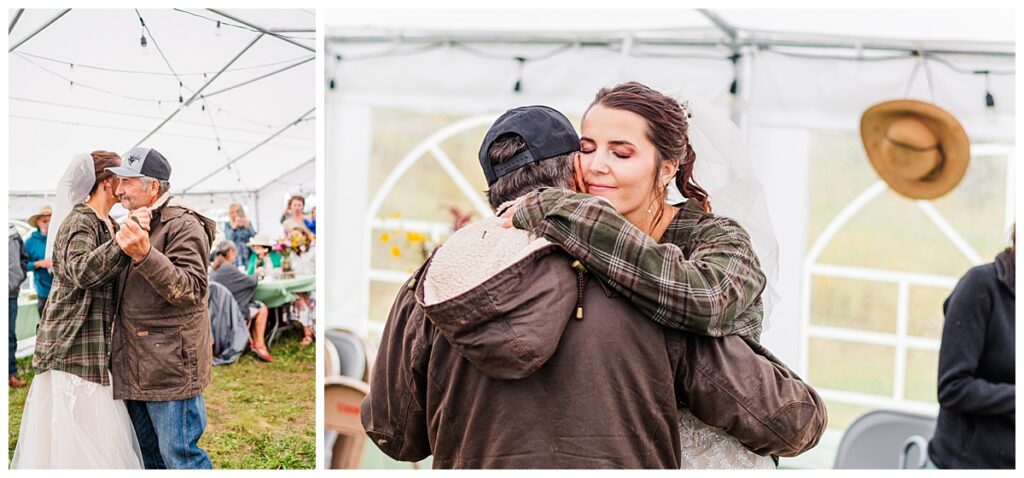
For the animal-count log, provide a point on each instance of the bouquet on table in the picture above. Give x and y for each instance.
(296, 242)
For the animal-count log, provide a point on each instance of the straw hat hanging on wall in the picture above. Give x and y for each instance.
(919, 149)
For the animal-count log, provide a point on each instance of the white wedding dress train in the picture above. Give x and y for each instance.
(72, 423)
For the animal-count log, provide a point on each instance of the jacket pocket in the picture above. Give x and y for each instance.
(159, 364)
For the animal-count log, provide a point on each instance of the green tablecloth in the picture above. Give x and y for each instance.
(28, 318)
(276, 293)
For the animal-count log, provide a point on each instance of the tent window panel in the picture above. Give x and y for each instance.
(852, 366)
(841, 415)
(977, 207)
(891, 233)
(382, 296)
(855, 304)
(398, 131)
(839, 171)
(925, 316)
(921, 382)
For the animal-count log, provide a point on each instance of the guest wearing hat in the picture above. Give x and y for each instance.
(162, 339)
(917, 148)
(35, 247)
(264, 258)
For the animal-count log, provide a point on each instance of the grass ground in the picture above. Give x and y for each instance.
(259, 415)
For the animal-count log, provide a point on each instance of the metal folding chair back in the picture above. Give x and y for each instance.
(351, 354)
(876, 439)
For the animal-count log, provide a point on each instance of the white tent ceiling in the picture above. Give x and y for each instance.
(908, 24)
(86, 83)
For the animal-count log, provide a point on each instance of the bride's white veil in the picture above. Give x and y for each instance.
(72, 188)
(723, 168)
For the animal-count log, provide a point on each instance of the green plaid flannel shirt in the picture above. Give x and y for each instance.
(74, 332)
(703, 277)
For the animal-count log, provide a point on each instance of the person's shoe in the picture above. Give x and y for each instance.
(263, 354)
(14, 382)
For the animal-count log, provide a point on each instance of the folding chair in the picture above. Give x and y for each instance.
(332, 363)
(354, 354)
(342, 397)
(878, 439)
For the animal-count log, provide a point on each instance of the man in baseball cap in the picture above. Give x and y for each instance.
(161, 344)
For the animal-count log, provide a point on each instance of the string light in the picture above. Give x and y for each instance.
(142, 40)
(519, 81)
(990, 101)
(734, 86)
(217, 31)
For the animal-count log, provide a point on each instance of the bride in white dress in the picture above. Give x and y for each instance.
(71, 419)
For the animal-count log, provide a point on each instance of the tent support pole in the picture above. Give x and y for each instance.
(254, 148)
(37, 30)
(261, 29)
(14, 21)
(200, 90)
(246, 82)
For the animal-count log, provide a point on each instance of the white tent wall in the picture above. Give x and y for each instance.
(781, 99)
(272, 199)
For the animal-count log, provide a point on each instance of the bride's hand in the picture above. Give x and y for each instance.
(507, 216)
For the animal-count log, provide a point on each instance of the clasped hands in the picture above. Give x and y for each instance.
(133, 236)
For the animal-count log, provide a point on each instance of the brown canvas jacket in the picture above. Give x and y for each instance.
(493, 371)
(162, 344)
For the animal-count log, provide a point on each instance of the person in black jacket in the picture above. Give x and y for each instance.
(17, 262)
(975, 427)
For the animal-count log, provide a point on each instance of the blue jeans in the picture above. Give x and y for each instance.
(169, 431)
(12, 338)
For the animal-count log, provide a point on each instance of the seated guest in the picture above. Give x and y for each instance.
(264, 258)
(243, 288)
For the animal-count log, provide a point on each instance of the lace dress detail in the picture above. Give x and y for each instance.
(72, 423)
(707, 447)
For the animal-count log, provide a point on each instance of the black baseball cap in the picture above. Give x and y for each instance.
(546, 132)
(144, 162)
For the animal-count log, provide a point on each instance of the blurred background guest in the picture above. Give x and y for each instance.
(977, 391)
(35, 248)
(293, 216)
(263, 257)
(239, 230)
(243, 288)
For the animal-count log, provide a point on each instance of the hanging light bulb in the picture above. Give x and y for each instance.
(990, 101)
(142, 40)
(71, 85)
(180, 98)
(216, 32)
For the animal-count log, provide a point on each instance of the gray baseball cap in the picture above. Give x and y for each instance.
(144, 162)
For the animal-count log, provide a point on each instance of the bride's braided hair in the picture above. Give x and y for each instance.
(667, 128)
